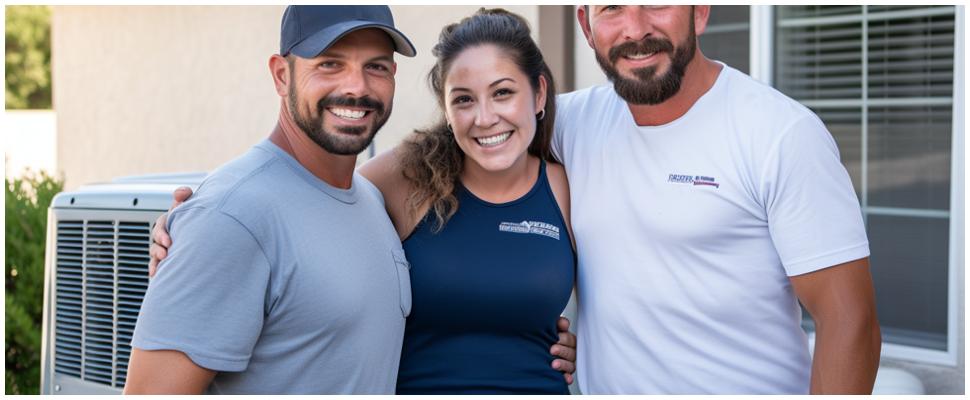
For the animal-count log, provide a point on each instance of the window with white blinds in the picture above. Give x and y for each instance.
(881, 77)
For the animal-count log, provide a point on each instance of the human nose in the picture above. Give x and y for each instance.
(355, 83)
(637, 23)
(486, 115)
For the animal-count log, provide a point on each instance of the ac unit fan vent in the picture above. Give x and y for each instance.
(102, 276)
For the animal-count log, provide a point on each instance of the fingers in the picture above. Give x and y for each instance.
(159, 234)
(563, 324)
(152, 267)
(181, 194)
(160, 239)
(563, 352)
(157, 253)
(563, 366)
(567, 339)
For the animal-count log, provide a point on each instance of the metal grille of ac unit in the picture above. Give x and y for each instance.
(102, 275)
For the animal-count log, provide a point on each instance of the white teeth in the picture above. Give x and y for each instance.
(639, 56)
(349, 114)
(494, 140)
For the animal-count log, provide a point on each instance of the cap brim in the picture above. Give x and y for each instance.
(321, 41)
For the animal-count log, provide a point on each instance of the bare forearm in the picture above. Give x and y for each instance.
(846, 357)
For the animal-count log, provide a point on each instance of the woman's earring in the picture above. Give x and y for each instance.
(541, 115)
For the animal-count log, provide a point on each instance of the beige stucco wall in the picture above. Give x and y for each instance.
(154, 89)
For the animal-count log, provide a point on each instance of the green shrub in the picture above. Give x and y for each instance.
(26, 226)
(28, 57)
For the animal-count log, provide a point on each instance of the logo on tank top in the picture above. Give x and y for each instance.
(533, 227)
(695, 180)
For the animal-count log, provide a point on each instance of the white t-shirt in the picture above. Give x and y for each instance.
(687, 235)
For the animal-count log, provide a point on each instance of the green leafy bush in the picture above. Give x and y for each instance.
(28, 57)
(26, 226)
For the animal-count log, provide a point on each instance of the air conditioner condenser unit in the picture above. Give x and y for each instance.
(96, 276)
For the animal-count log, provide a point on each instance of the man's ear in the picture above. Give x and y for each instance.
(701, 15)
(279, 67)
(582, 16)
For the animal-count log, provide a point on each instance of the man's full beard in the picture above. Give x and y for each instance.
(646, 88)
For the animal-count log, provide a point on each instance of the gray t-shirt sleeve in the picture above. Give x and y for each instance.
(209, 295)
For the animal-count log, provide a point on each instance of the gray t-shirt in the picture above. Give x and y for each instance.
(281, 282)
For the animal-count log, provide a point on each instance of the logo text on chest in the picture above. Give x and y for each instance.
(695, 180)
(534, 227)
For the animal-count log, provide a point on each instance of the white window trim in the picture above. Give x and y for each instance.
(957, 196)
(761, 43)
(762, 57)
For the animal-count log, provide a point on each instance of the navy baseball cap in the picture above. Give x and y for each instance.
(309, 30)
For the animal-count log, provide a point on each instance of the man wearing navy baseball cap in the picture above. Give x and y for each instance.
(285, 274)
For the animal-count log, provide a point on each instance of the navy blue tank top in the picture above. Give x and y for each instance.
(487, 291)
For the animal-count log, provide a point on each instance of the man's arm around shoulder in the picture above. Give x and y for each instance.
(165, 372)
(842, 302)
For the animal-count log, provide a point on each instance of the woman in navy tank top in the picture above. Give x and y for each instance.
(482, 210)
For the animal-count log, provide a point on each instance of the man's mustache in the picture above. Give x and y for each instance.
(643, 46)
(361, 102)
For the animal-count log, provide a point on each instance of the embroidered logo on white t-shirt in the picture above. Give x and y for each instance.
(535, 227)
(696, 180)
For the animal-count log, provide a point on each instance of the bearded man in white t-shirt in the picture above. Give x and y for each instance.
(705, 205)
